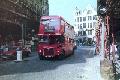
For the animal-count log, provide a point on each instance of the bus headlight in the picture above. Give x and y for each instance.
(58, 51)
(40, 51)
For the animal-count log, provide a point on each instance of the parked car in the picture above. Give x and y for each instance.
(12, 54)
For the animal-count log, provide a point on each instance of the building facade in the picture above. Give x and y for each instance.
(19, 17)
(85, 23)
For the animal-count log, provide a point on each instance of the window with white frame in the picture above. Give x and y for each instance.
(79, 33)
(77, 19)
(79, 12)
(84, 18)
(94, 24)
(84, 25)
(90, 32)
(90, 25)
(95, 17)
(90, 17)
(84, 33)
(80, 19)
(80, 26)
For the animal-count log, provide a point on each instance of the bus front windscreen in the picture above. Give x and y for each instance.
(43, 39)
(51, 39)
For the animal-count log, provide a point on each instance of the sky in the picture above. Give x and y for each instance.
(65, 8)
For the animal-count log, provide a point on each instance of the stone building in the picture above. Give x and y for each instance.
(85, 23)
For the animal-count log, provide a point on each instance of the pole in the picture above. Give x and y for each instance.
(32, 41)
(102, 41)
(22, 35)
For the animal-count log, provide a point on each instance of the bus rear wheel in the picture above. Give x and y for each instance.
(62, 55)
(73, 51)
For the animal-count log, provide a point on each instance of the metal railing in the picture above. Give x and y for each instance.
(116, 69)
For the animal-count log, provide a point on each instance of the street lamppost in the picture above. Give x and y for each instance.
(22, 35)
(102, 10)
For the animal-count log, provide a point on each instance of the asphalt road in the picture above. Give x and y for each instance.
(83, 65)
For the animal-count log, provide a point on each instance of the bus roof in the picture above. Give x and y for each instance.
(51, 16)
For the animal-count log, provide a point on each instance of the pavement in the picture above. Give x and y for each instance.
(92, 68)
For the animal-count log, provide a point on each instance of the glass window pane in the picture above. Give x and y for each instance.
(84, 25)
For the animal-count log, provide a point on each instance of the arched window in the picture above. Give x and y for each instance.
(79, 12)
(94, 17)
(89, 12)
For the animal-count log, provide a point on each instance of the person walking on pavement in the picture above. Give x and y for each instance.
(113, 50)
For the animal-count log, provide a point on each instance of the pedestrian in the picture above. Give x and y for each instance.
(118, 51)
(113, 50)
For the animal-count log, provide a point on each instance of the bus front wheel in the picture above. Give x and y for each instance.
(41, 57)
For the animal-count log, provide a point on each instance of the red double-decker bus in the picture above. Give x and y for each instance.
(56, 38)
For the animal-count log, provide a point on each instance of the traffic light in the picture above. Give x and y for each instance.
(101, 7)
